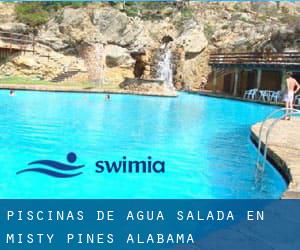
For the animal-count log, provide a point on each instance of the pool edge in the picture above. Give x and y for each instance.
(61, 89)
(233, 98)
(281, 164)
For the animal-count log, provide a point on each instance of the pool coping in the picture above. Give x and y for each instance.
(282, 163)
(230, 97)
(74, 89)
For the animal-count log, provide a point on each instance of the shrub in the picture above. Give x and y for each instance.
(32, 14)
(284, 10)
(187, 13)
(208, 31)
(38, 13)
(132, 12)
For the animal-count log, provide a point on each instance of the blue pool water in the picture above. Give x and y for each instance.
(204, 142)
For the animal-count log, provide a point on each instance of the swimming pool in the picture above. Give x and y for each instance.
(204, 142)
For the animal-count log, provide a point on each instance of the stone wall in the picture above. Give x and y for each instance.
(94, 58)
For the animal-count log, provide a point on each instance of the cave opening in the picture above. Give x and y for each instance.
(140, 64)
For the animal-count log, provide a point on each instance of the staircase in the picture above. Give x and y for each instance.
(65, 75)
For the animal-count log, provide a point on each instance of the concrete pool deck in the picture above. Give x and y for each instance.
(284, 151)
(80, 89)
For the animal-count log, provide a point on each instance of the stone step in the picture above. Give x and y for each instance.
(65, 75)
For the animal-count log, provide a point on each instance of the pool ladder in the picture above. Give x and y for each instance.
(260, 164)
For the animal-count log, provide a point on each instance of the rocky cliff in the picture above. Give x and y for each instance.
(130, 41)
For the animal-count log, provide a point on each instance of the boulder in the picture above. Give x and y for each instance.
(52, 40)
(73, 17)
(194, 69)
(136, 36)
(111, 23)
(14, 27)
(192, 38)
(118, 56)
(25, 61)
(76, 27)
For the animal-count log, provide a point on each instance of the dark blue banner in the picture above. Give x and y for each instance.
(149, 224)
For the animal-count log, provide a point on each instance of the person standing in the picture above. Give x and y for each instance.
(203, 83)
(292, 88)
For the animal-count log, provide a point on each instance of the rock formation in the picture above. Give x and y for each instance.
(131, 41)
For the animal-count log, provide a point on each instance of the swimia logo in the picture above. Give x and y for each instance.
(61, 170)
(55, 168)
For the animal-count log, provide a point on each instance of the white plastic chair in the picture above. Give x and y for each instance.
(253, 94)
(275, 96)
(246, 94)
(250, 94)
(263, 95)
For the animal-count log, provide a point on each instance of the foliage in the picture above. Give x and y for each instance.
(21, 80)
(149, 10)
(208, 31)
(34, 81)
(239, 7)
(284, 10)
(32, 14)
(132, 12)
(38, 13)
(187, 13)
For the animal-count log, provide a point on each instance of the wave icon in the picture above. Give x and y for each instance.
(57, 169)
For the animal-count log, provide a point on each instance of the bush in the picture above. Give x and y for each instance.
(187, 13)
(132, 12)
(38, 13)
(208, 31)
(149, 10)
(32, 14)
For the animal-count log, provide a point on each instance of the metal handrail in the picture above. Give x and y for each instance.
(292, 112)
(269, 131)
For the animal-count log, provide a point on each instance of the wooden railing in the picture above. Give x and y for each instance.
(16, 41)
(255, 58)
